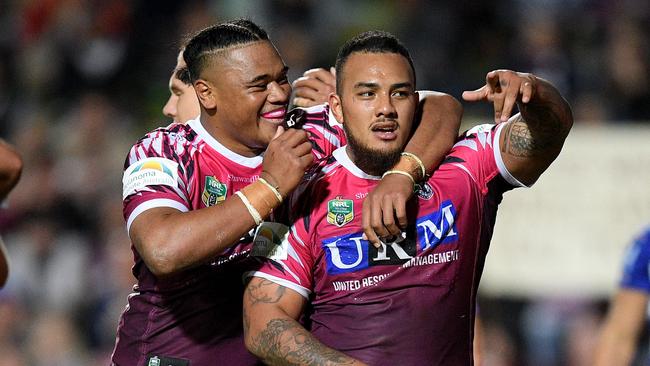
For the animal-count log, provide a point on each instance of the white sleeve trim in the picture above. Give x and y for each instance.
(499, 159)
(424, 93)
(280, 281)
(159, 202)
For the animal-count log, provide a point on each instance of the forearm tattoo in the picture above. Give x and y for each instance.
(544, 127)
(285, 342)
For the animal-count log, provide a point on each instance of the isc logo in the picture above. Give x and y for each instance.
(350, 253)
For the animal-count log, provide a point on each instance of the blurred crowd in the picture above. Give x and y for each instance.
(81, 80)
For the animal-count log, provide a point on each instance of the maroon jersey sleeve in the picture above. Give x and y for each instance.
(478, 153)
(155, 173)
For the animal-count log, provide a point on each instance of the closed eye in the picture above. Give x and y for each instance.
(258, 87)
(401, 93)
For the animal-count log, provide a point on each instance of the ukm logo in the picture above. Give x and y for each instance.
(437, 227)
(350, 253)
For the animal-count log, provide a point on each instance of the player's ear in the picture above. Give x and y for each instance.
(336, 107)
(206, 94)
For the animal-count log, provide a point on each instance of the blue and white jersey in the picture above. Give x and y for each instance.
(636, 270)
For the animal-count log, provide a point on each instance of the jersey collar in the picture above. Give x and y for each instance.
(342, 157)
(252, 162)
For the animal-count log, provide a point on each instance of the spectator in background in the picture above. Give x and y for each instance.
(627, 315)
(11, 166)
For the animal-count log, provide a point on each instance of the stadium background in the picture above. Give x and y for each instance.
(81, 80)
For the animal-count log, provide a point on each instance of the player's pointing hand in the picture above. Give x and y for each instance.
(504, 88)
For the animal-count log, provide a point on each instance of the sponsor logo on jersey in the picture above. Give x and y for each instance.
(295, 118)
(213, 191)
(270, 241)
(424, 191)
(149, 172)
(437, 227)
(166, 361)
(340, 211)
(350, 253)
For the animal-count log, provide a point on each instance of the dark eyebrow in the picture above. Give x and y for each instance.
(402, 85)
(263, 77)
(375, 85)
(366, 85)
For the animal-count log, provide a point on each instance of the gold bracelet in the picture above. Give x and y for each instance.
(273, 189)
(400, 172)
(417, 160)
(251, 210)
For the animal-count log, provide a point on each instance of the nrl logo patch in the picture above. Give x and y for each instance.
(213, 192)
(424, 191)
(340, 211)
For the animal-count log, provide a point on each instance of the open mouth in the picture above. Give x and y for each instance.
(276, 115)
(385, 130)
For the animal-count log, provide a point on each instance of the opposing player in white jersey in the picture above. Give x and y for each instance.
(412, 300)
(193, 193)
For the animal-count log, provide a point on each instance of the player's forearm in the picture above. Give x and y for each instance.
(614, 348)
(175, 241)
(11, 166)
(544, 123)
(283, 341)
(437, 128)
(272, 333)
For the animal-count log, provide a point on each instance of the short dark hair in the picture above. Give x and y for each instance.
(183, 74)
(374, 41)
(218, 37)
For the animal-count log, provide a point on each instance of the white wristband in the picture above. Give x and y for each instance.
(256, 215)
(273, 189)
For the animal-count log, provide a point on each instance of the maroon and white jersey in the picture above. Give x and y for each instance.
(410, 302)
(195, 315)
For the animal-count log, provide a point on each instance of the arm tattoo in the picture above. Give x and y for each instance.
(518, 140)
(246, 320)
(285, 342)
(258, 294)
(544, 128)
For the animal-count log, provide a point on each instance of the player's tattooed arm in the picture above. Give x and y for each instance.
(286, 342)
(533, 138)
(273, 334)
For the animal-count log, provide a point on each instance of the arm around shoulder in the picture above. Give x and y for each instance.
(438, 121)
